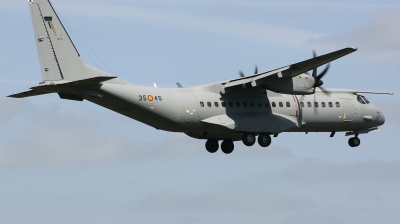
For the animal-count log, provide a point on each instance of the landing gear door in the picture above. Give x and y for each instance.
(348, 110)
(188, 106)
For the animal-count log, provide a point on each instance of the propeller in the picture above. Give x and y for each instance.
(241, 74)
(318, 78)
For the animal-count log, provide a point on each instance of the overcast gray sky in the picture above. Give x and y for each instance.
(75, 162)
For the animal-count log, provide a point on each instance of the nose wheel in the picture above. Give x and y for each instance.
(354, 142)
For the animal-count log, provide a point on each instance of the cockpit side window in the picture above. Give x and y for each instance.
(360, 99)
(365, 99)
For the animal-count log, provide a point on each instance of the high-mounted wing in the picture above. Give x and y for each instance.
(287, 72)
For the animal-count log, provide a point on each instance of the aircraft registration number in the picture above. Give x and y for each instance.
(149, 98)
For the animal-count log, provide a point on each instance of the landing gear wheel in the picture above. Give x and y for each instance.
(249, 139)
(354, 142)
(264, 140)
(212, 145)
(227, 146)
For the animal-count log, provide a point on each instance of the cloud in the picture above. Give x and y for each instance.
(265, 33)
(316, 171)
(241, 200)
(378, 40)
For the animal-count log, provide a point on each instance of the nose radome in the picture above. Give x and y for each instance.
(381, 118)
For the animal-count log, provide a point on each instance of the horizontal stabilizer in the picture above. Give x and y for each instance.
(49, 86)
(28, 94)
(61, 86)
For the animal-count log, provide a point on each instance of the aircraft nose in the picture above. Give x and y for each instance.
(380, 118)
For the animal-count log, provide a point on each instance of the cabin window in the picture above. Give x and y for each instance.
(266, 104)
(287, 104)
(280, 104)
(308, 104)
(238, 104)
(230, 104)
(223, 104)
(252, 104)
(208, 104)
(245, 104)
(323, 104)
(302, 104)
(315, 104)
(259, 104)
(216, 104)
(337, 104)
(201, 104)
(273, 104)
(330, 104)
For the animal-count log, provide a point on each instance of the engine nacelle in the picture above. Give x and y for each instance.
(299, 85)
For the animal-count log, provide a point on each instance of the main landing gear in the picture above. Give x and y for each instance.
(264, 139)
(212, 145)
(227, 146)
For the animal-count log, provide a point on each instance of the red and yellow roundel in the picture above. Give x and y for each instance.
(150, 98)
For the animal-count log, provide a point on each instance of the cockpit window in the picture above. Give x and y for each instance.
(362, 99)
(365, 99)
(359, 99)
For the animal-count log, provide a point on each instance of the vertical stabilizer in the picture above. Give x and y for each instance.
(59, 59)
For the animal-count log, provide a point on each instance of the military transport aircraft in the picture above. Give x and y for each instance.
(286, 99)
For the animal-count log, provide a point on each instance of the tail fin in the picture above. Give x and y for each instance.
(59, 59)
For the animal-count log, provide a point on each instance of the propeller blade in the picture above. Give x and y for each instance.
(314, 72)
(323, 73)
(325, 90)
(241, 73)
(256, 70)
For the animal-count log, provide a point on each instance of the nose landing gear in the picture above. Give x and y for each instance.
(354, 142)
